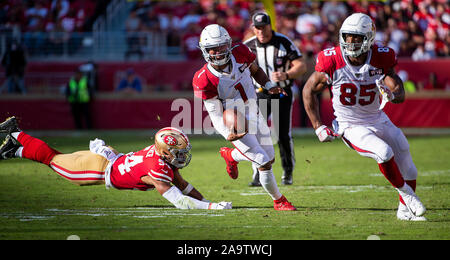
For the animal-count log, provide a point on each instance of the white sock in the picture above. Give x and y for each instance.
(255, 170)
(238, 156)
(18, 153)
(269, 184)
(15, 135)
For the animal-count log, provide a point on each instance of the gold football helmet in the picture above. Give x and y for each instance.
(173, 146)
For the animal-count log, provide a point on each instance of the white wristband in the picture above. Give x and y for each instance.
(188, 189)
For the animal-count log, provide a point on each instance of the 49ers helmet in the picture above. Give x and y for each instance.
(173, 146)
(359, 24)
(213, 36)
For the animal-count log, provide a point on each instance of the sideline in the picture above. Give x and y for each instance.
(296, 132)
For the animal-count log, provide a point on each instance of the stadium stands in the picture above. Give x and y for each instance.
(414, 28)
(158, 39)
(76, 31)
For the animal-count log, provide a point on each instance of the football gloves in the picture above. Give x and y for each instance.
(385, 92)
(99, 147)
(325, 134)
(221, 205)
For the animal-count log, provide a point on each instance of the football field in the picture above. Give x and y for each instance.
(338, 194)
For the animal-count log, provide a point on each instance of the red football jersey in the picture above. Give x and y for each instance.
(127, 171)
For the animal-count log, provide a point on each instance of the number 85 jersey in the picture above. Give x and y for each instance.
(355, 96)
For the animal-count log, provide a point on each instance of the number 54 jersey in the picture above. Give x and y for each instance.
(355, 96)
(127, 171)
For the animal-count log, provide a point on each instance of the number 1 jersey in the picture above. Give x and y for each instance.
(237, 85)
(355, 96)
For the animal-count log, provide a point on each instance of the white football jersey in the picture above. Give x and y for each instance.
(355, 96)
(234, 89)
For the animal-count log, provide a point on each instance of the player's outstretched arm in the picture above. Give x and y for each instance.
(185, 187)
(181, 201)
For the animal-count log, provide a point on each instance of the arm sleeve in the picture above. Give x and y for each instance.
(174, 196)
(215, 111)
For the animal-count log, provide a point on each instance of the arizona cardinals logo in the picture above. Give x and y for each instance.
(170, 140)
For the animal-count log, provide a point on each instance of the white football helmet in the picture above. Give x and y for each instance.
(213, 36)
(360, 24)
(173, 146)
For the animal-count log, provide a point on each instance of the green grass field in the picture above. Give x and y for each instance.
(338, 194)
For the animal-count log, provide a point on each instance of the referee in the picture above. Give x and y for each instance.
(278, 56)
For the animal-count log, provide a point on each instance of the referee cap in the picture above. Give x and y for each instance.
(260, 19)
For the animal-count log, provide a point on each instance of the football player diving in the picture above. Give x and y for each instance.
(359, 74)
(155, 167)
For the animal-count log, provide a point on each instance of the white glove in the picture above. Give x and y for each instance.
(385, 92)
(325, 134)
(96, 144)
(221, 205)
(98, 147)
(329, 81)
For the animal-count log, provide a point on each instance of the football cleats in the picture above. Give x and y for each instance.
(283, 204)
(411, 200)
(173, 146)
(232, 168)
(10, 125)
(357, 24)
(8, 148)
(214, 36)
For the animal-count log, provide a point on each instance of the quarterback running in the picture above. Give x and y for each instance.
(359, 74)
(155, 167)
(225, 82)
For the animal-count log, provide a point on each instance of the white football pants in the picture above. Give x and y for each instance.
(381, 142)
(257, 145)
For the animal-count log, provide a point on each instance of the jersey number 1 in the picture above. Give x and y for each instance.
(241, 90)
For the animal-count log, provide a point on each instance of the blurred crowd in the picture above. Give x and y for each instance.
(58, 18)
(417, 29)
(413, 28)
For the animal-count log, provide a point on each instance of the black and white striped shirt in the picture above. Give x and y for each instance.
(276, 55)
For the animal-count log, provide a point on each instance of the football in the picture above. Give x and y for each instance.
(235, 120)
(389, 82)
